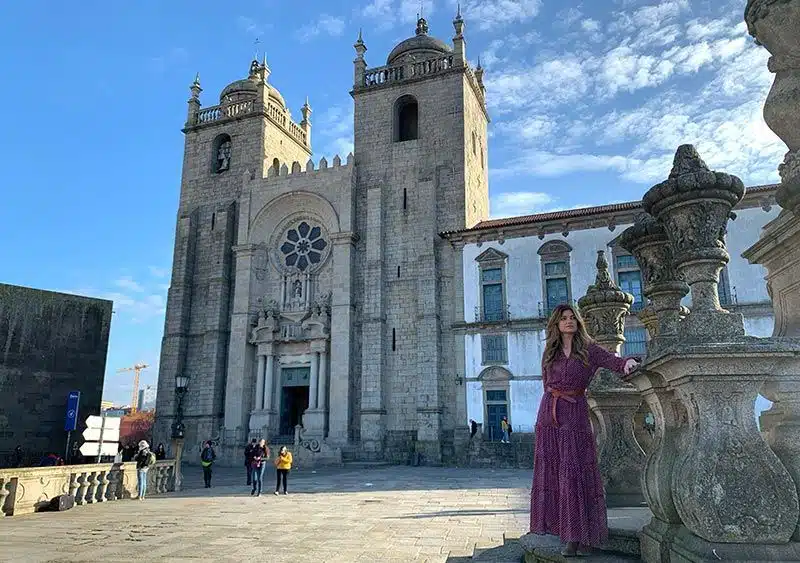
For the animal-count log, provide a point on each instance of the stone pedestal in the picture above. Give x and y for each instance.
(314, 423)
(263, 422)
(619, 456)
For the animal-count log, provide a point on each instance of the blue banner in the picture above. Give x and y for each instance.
(74, 399)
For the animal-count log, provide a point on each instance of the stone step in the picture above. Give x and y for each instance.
(553, 555)
(547, 549)
(624, 541)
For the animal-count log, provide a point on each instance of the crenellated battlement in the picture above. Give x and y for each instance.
(309, 169)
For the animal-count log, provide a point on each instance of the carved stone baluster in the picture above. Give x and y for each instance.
(102, 485)
(73, 484)
(111, 489)
(4, 492)
(91, 493)
(83, 484)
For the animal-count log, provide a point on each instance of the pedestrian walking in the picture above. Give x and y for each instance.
(283, 464)
(504, 428)
(256, 469)
(144, 459)
(567, 498)
(248, 458)
(161, 451)
(207, 457)
(473, 428)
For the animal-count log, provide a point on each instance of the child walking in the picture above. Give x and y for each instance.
(283, 463)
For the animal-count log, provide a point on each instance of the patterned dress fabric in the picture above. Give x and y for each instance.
(567, 498)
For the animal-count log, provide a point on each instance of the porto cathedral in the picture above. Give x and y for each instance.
(324, 296)
(330, 300)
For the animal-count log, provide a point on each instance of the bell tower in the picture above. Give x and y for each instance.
(420, 146)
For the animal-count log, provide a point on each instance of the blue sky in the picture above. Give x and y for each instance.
(589, 101)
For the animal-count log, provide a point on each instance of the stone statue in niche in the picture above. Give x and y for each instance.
(224, 156)
(297, 289)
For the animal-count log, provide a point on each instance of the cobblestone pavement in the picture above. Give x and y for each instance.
(375, 514)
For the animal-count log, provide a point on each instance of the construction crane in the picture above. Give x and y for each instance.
(136, 370)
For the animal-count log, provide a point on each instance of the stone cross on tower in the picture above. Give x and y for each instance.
(613, 403)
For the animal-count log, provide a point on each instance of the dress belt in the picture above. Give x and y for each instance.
(568, 396)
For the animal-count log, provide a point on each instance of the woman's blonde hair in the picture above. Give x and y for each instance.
(580, 342)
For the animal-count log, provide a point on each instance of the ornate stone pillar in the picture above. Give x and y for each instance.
(322, 385)
(776, 26)
(613, 402)
(312, 387)
(259, 402)
(269, 382)
(648, 243)
(727, 486)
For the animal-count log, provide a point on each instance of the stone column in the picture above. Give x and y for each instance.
(322, 384)
(776, 26)
(732, 494)
(260, 382)
(269, 382)
(312, 387)
(613, 402)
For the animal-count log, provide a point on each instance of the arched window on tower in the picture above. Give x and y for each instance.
(406, 119)
(221, 154)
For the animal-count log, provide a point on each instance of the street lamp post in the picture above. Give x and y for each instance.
(178, 428)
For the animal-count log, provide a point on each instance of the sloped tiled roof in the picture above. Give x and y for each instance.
(568, 214)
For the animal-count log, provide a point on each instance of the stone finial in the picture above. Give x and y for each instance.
(458, 23)
(195, 88)
(647, 241)
(604, 307)
(323, 163)
(687, 161)
(359, 46)
(603, 279)
(337, 161)
(422, 26)
(694, 205)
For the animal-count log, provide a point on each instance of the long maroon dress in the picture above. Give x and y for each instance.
(567, 498)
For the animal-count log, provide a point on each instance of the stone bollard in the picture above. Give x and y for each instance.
(734, 498)
(612, 402)
(776, 26)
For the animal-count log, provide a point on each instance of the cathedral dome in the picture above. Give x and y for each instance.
(247, 88)
(422, 44)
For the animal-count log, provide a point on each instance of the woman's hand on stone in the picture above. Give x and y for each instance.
(630, 366)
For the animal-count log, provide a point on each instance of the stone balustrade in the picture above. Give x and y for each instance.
(248, 107)
(387, 74)
(28, 489)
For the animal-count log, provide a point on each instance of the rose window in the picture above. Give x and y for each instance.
(303, 246)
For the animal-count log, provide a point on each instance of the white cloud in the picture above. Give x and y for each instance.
(491, 14)
(129, 284)
(325, 25)
(512, 204)
(336, 130)
(157, 272)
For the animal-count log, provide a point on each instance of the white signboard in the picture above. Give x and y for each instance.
(94, 421)
(93, 449)
(101, 435)
(93, 434)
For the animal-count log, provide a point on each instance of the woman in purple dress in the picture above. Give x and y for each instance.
(567, 498)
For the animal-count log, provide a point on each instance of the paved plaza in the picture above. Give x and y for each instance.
(382, 513)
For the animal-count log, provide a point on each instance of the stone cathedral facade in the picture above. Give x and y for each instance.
(324, 296)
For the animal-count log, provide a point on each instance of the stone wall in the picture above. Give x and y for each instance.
(50, 344)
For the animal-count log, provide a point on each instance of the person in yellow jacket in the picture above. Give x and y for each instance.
(283, 464)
